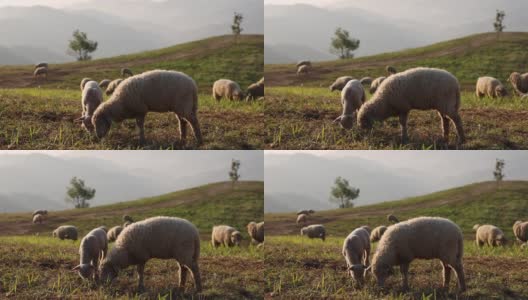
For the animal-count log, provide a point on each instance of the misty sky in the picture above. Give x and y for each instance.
(52, 3)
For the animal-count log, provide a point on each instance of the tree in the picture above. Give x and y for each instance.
(342, 193)
(80, 46)
(498, 174)
(233, 174)
(499, 18)
(342, 44)
(78, 193)
(236, 28)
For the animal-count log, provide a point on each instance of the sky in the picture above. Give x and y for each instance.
(52, 3)
(289, 2)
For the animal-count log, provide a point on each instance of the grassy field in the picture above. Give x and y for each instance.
(36, 266)
(39, 114)
(301, 268)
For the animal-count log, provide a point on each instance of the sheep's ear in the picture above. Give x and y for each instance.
(76, 267)
(338, 119)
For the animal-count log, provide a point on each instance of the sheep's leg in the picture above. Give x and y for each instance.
(193, 120)
(455, 117)
(403, 125)
(183, 129)
(196, 275)
(446, 275)
(445, 126)
(140, 122)
(140, 271)
(404, 269)
(459, 269)
(95, 263)
(183, 277)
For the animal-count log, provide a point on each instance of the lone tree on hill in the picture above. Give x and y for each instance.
(78, 193)
(233, 174)
(498, 174)
(342, 193)
(80, 46)
(342, 44)
(236, 27)
(499, 18)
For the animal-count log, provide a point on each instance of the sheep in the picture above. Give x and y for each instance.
(40, 212)
(491, 87)
(366, 80)
(303, 70)
(302, 218)
(126, 72)
(127, 223)
(340, 83)
(390, 70)
(225, 235)
(367, 228)
(314, 231)
(68, 232)
(84, 81)
(392, 218)
(255, 90)
(304, 63)
(352, 98)
(305, 212)
(419, 88)
(112, 86)
(424, 238)
(113, 233)
(519, 82)
(158, 91)
(40, 71)
(41, 65)
(256, 231)
(38, 219)
(520, 230)
(377, 233)
(157, 237)
(93, 248)
(104, 228)
(356, 250)
(225, 88)
(92, 97)
(489, 234)
(127, 218)
(376, 83)
(104, 83)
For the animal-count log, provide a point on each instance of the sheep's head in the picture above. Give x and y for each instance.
(238, 95)
(236, 237)
(346, 121)
(514, 78)
(476, 226)
(108, 272)
(501, 240)
(358, 272)
(102, 123)
(252, 227)
(332, 87)
(501, 91)
(364, 121)
(303, 231)
(380, 271)
(84, 270)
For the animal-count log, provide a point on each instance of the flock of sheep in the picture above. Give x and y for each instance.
(418, 238)
(418, 88)
(137, 242)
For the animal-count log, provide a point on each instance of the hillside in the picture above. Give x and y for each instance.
(467, 58)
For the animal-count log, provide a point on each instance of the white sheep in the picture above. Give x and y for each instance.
(377, 233)
(225, 235)
(302, 218)
(255, 90)
(113, 233)
(519, 82)
(340, 83)
(225, 88)
(352, 98)
(41, 71)
(84, 81)
(112, 86)
(93, 248)
(158, 237)
(304, 63)
(256, 231)
(305, 212)
(490, 235)
(41, 65)
(303, 70)
(366, 80)
(423, 238)
(38, 219)
(376, 83)
(491, 87)
(418, 88)
(520, 230)
(67, 232)
(314, 231)
(104, 83)
(392, 218)
(356, 250)
(40, 212)
(126, 72)
(157, 91)
(92, 97)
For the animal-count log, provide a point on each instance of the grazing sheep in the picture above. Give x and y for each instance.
(41, 71)
(340, 83)
(366, 80)
(255, 90)
(376, 83)
(352, 98)
(104, 83)
(157, 91)
(423, 238)
(38, 219)
(491, 87)
(68, 232)
(392, 218)
(158, 237)
(92, 97)
(126, 72)
(519, 82)
(93, 248)
(303, 70)
(377, 233)
(520, 230)
(40, 212)
(112, 86)
(391, 70)
(419, 88)
(314, 231)
(225, 88)
(302, 218)
(305, 212)
(41, 65)
(489, 234)
(113, 233)
(304, 63)
(84, 81)
(225, 235)
(356, 250)
(256, 231)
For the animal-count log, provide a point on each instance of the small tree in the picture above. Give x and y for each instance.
(342, 193)
(236, 27)
(78, 193)
(233, 174)
(342, 44)
(498, 174)
(499, 18)
(80, 46)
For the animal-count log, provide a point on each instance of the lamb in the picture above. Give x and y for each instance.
(112, 86)
(377, 233)
(491, 87)
(93, 248)
(304, 63)
(366, 80)
(340, 83)
(92, 97)
(84, 81)
(38, 219)
(40, 212)
(392, 218)
(104, 83)
(519, 82)
(303, 70)
(157, 237)
(424, 238)
(158, 91)
(520, 230)
(126, 72)
(41, 71)
(352, 98)
(302, 218)
(376, 83)
(225, 88)
(305, 212)
(390, 70)
(255, 90)
(113, 233)
(419, 88)
(256, 231)
(68, 232)
(225, 235)
(314, 231)
(489, 234)
(41, 65)
(356, 250)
